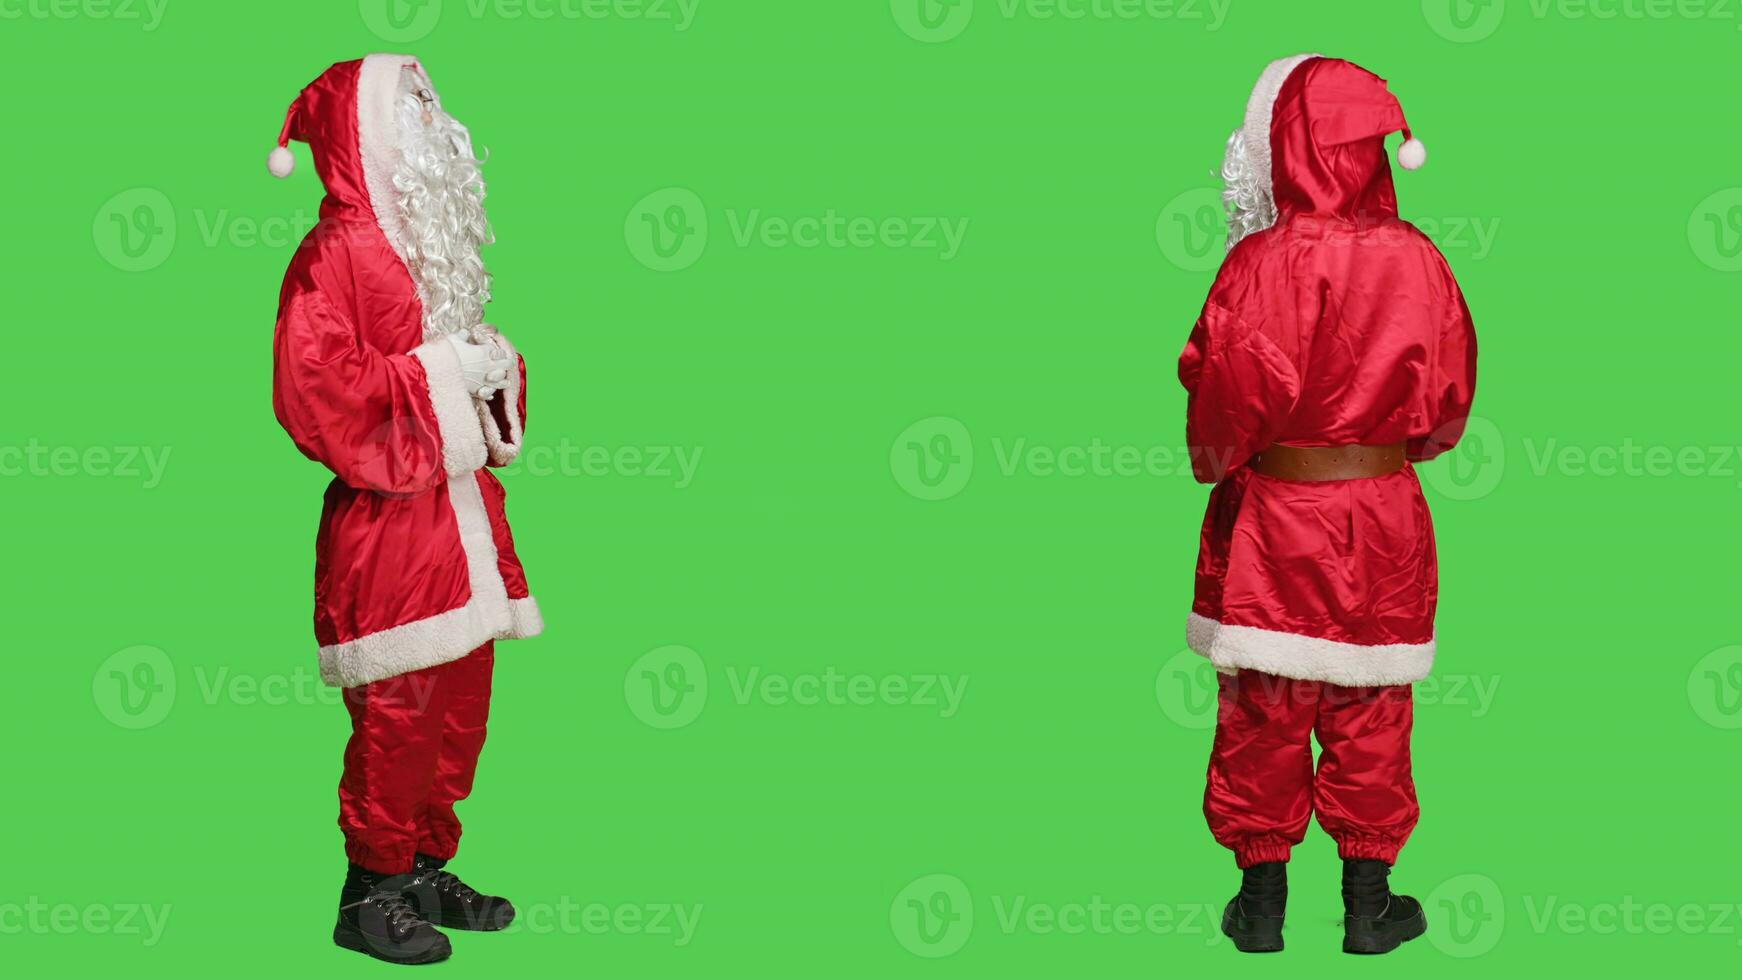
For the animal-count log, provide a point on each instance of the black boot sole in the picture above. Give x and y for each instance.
(462, 922)
(353, 938)
(1250, 934)
(1368, 936)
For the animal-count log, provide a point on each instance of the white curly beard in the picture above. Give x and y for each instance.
(441, 195)
(1250, 207)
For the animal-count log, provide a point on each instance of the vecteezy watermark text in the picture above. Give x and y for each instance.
(654, 462)
(148, 13)
(33, 916)
(668, 687)
(33, 459)
(668, 230)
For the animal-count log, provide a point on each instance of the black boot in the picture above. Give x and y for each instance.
(1374, 919)
(375, 919)
(1253, 919)
(444, 899)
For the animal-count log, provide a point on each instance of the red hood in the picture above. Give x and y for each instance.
(1327, 139)
(346, 116)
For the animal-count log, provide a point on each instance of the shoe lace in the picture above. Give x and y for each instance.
(395, 909)
(449, 883)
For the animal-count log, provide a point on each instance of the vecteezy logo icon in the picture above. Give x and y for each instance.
(1186, 689)
(135, 230)
(1463, 21)
(1715, 688)
(1471, 469)
(400, 20)
(1473, 913)
(933, 916)
(932, 21)
(379, 454)
(667, 687)
(1715, 230)
(667, 230)
(135, 687)
(1192, 229)
(933, 458)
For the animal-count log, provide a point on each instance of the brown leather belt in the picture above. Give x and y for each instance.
(1314, 464)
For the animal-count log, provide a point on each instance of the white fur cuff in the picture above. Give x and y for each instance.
(504, 446)
(463, 448)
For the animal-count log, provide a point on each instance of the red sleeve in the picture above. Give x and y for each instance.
(1452, 381)
(394, 424)
(1240, 386)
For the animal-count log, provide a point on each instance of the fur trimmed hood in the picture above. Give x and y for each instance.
(346, 117)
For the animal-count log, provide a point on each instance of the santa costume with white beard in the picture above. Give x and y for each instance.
(1334, 352)
(385, 373)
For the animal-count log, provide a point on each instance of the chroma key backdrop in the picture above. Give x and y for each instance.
(854, 490)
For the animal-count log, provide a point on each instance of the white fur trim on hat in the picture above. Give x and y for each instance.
(1256, 131)
(378, 139)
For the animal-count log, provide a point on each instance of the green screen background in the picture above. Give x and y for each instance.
(171, 752)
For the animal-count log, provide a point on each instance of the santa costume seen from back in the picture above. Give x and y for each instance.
(1333, 354)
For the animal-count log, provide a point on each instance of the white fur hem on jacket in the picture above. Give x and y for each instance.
(463, 449)
(1312, 658)
(489, 614)
(428, 642)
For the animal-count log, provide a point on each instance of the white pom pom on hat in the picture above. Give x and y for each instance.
(279, 162)
(1411, 154)
(1349, 103)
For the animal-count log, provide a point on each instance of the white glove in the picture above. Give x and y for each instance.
(485, 367)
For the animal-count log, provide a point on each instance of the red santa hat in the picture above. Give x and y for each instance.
(1354, 104)
(280, 162)
(345, 112)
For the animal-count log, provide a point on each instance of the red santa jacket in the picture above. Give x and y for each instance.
(414, 562)
(1340, 324)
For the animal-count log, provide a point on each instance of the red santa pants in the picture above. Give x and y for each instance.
(414, 746)
(1262, 787)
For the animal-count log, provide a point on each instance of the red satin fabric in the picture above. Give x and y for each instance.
(1326, 142)
(1348, 560)
(1262, 786)
(352, 397)
(496, 508)
(415, 741)
(1340, 325)
(389, 552)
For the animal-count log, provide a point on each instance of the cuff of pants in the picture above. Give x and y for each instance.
(438, 849)
(401, 860)
(1260, 850)
(1368, 848)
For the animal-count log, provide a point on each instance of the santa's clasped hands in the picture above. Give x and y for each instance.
(485, 366)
